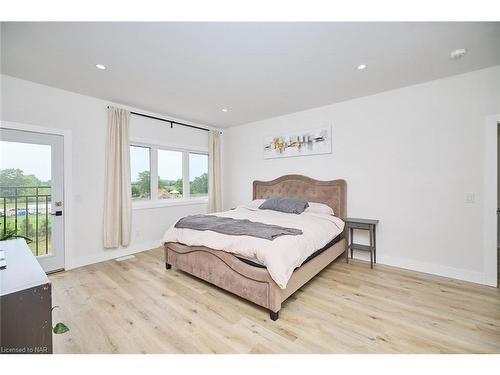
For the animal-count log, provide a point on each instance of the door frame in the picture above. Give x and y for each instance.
(490, 201)
(67, 178)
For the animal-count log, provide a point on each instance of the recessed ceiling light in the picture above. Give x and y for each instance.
(224, 109)
(458, 53)
(100, 66)
(361, 66)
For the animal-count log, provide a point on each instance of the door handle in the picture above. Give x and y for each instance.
(57, 213)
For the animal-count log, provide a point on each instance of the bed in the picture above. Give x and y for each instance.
(249, 279)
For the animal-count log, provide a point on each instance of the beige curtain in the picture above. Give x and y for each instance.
(214, 172)
(117, 198)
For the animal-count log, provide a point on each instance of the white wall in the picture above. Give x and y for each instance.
(410, 156)
(498, 186)
(86, 117)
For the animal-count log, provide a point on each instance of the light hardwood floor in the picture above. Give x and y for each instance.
(136, 306)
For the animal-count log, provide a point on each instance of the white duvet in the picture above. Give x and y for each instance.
(282, 255)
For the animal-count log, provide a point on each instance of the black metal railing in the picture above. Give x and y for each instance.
(26, 209)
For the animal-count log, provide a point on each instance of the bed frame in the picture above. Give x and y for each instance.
(254, 283)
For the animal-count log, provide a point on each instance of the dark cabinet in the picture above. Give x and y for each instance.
(25, 302)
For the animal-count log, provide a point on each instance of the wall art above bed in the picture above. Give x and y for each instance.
(299, 143)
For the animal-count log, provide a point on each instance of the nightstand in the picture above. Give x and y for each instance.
(364, 224)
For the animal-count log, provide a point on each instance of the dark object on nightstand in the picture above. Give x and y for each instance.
(365, 224)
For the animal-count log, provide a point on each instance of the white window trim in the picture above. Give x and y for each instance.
(170, 146)
(142, 205)
(154, 202)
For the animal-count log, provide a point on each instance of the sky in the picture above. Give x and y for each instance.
(169, 163)
(30, 158)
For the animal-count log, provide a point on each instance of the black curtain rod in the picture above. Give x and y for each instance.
(171, 122)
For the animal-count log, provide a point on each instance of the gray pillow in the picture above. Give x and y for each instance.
(289, 205)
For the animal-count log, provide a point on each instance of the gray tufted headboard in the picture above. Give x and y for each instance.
(332, 193)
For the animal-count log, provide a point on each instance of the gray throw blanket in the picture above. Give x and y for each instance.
(235, 227)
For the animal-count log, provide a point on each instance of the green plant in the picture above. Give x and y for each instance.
(60, 327)
(11, 234)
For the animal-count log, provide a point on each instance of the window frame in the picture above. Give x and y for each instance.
(186, 199)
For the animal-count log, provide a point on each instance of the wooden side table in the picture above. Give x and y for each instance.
(364, 224)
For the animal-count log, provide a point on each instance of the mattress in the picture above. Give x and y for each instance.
(280, 256)
(254, 263)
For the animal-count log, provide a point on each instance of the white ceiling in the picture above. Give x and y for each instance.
(256, 70)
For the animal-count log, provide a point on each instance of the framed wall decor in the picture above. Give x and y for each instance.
(299, 143)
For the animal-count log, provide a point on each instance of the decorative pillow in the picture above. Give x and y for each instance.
(319, 208)
(289, 205)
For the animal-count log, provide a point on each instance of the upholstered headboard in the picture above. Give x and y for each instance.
(332, 193)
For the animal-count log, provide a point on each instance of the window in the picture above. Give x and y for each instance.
(169, 174)
(140, 172)
(181, 175)
(198, 175)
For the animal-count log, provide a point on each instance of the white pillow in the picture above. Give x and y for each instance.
(254, 205)
(319, 208)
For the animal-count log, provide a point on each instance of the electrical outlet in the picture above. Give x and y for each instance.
(3, 261)
(470, 198)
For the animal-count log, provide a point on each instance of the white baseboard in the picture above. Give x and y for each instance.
(107, 254)
(433, 269)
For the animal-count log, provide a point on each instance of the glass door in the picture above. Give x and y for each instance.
(31, 192)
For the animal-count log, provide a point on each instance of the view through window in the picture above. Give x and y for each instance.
(25, 193)
(169, 174)
(140, 172)
(179, 173)
(198, 175)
